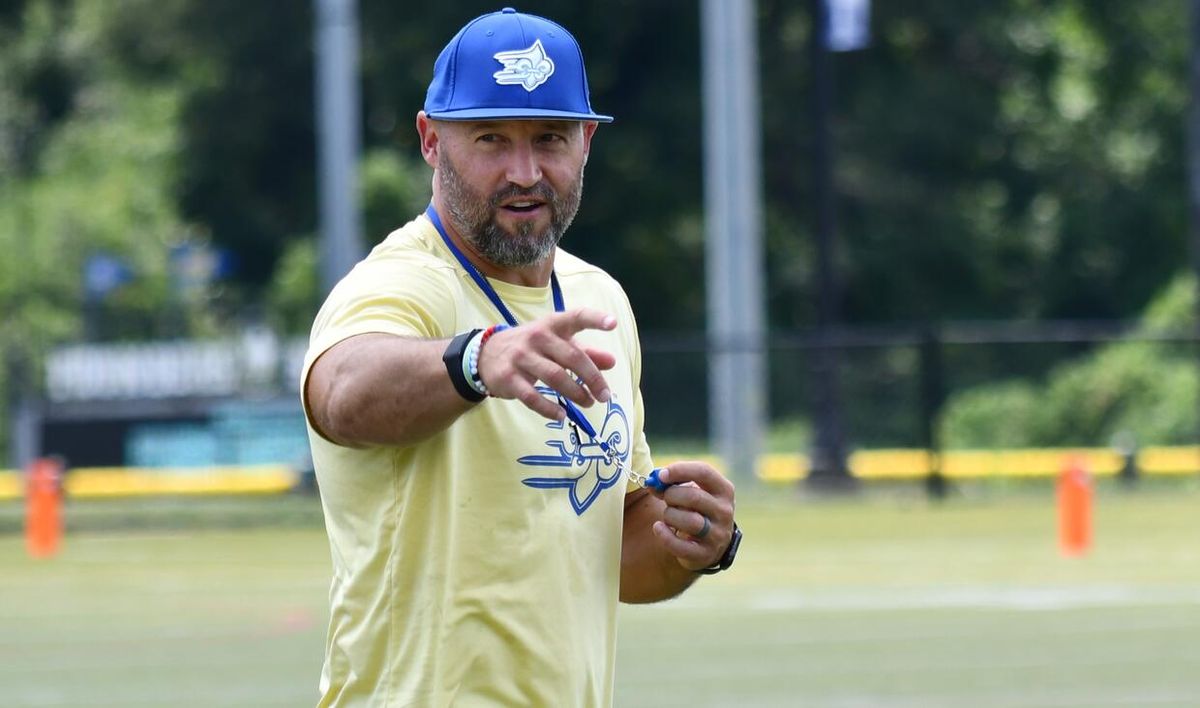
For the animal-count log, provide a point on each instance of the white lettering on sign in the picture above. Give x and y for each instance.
(156, 370)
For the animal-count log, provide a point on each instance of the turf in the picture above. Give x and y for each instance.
(879, 601)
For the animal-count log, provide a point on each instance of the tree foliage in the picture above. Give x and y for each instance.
(1015, 159)
(91, 172)
(996, 160)
(1146, 390)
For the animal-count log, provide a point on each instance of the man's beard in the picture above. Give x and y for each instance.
(474, 218)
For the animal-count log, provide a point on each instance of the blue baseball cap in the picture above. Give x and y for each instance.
(510, 65)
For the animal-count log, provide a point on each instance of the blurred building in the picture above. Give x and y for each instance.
(174, 404)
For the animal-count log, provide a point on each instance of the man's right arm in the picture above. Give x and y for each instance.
(382, 389)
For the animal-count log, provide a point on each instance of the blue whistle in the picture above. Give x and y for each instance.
(653, 482)
(577, 417)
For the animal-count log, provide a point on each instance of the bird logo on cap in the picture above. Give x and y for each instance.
(529, 68)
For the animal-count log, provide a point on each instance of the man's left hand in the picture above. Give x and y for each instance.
(697, 524)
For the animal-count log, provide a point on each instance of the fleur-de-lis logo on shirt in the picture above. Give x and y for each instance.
(580, 466)
(524, 67)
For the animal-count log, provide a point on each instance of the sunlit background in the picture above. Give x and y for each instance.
(920, 277)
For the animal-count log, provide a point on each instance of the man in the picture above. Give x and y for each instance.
(475, 417)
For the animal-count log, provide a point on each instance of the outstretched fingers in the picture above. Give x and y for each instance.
(545, 350)
(566, 324)
(602, 359)
(536, 402)
(582, 362)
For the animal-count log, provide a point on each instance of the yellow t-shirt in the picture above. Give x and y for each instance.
(480, 566)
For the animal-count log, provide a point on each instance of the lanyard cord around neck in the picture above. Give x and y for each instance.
(482, 282)
(575, 417)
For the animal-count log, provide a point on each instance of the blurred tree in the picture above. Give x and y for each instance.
(997, 160)
(1016, 159)
(1019, 159)
(249, 142)
(395, 188)
(1145, 389)
(87, 179)
(294, 294)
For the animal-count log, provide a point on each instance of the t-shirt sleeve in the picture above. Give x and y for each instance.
(402, 297)
(639, 458)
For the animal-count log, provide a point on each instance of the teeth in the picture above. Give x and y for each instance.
(522, 205)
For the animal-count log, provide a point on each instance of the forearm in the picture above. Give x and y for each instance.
(378, 389)
(649, 573)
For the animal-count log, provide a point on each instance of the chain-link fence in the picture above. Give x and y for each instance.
(1056, 384)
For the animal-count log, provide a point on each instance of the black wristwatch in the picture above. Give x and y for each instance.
(453, 359)
(727, 558)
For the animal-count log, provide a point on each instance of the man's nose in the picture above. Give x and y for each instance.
(523, 167)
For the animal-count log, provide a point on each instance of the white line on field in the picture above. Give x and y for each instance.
(1027, 598)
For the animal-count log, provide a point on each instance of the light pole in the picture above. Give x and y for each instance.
(827, 465)
(338, 141)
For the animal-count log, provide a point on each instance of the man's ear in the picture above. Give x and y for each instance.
(589, 129)
(427, 129)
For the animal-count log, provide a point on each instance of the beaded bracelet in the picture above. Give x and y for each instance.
(470, 365)
(471, 358)
(494, 329)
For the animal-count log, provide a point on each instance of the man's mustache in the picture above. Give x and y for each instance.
(541, 191)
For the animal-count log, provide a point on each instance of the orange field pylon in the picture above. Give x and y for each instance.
(1074, 508)
(43, 508)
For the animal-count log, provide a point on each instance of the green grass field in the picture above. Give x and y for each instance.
(878, 601)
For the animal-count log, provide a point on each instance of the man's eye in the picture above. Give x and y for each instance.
(553, 138)
(489, 138)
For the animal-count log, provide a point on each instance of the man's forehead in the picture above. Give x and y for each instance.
(523, 124)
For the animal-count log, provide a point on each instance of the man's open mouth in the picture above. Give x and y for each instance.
(522, 207)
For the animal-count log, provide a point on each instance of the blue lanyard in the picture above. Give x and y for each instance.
(481, 281)
(574, 415)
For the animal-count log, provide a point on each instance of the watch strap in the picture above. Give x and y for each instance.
(727, 557)
(453, 359)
